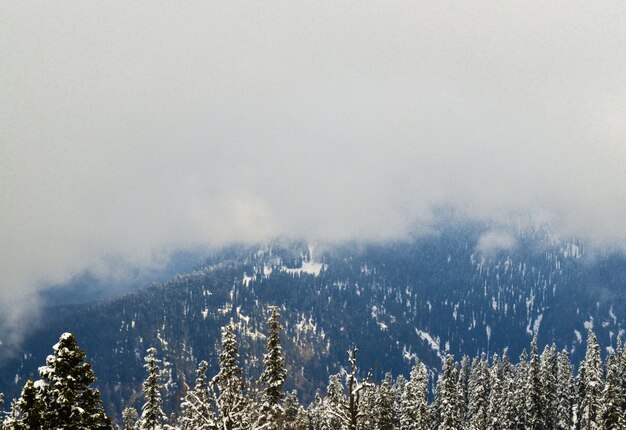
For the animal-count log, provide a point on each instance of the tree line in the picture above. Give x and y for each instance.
(539, 392)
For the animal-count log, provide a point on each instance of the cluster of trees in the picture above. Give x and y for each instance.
(541, 391)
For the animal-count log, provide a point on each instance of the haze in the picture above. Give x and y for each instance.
(129, 130)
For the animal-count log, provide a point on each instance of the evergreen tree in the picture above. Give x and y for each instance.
(478, 394)
(591, 385)
(612, 415)
(367, 411)
(231, 405)
(196, 412)
(565, 393)
(495, 419)
(534, 405)
(291, 407)
(398, 390)
(335, 410)
(449, 402)
(28, 411)
(384, 404)
(315, 412)
(273, 377)
(548, 378)
(129, 418)
(152, 416)
(414, 412)
(69, 401)
(463, 384)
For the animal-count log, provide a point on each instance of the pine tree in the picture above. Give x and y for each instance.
(449, 402)
(565, 392)
(196, 413)
(384, 404)
(398, 390)
(590, 384)
(273, 376)
(152, 416)
(612, 415)
(367, 411)
(495, 419)
(463, 384)
(129, 417)
(231, 404)
(335, 409)
(27, 412)
(296, 417)
(534, 405)
(315, 412)
(548, 378)
(414, 412)
(69, 402)
(478, 394)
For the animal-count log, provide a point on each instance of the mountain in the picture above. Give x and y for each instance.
(454, 291)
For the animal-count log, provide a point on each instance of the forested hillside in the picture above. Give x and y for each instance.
(424, 298)
(538, 392)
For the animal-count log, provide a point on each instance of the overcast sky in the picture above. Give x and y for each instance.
(134, 128)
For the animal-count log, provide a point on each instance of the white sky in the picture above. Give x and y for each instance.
(133, 128)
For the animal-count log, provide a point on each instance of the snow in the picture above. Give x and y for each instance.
(246, 280)
(308, 267)
(433, 343)
(579, 337)
(589, 324)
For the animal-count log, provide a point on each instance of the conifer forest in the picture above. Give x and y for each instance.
(539, 390)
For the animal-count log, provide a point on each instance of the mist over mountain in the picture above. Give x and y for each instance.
(462, 289)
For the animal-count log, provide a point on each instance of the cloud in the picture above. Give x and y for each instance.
(494, 240)
(134, 129)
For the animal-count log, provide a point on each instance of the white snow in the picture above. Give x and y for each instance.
(433, 343)
(309, 267)
(246, 280)
(579, 337)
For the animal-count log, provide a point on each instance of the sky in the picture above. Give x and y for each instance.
(132, 129)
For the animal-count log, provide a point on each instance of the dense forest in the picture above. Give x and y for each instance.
(541, 391)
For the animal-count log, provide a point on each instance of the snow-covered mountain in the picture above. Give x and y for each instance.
(459, 291)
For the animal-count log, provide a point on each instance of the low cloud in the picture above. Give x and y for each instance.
(131, 130)
(493, 241)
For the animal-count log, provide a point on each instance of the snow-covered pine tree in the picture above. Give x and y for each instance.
(27, 412)
(449, 401)
(152, 416)
(129, 418)
(612, 415)
(565, 392)
(495, 418)
(548, 378)
(398, 390)
(296, 417)
(590, 385)
(463, 385)
(384, 404)
(367, 415)
(534, 405)
(414, 412)
(231, 402)
(478, 394)
(302, 421)
(273, 377)
(69, 401)
(315, 412)
(196, 409)
(335, 407)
